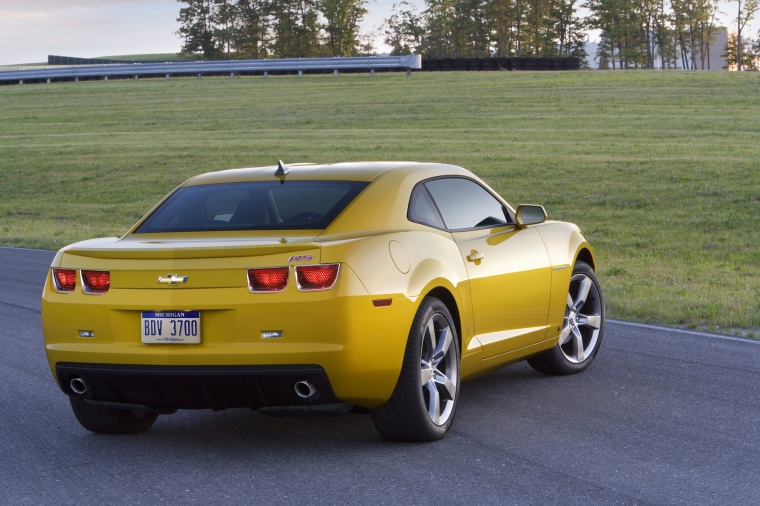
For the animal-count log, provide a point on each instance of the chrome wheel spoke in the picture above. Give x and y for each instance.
(578, 351)
(442, 348)
(583, 289)
(445, 386)
(564, 336)
(434, 403)
(592, 321)
(428, 341)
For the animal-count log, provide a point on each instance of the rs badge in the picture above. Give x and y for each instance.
(301, 258)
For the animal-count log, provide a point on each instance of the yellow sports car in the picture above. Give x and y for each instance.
(373, 286)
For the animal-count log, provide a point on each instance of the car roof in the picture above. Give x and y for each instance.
(353, 171)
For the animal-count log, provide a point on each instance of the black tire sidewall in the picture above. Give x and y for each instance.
(404, 417)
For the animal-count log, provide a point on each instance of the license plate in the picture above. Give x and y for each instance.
(180, 327)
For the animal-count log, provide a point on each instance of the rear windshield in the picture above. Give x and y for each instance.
(271, 205)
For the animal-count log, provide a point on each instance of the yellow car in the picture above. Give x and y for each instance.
(374, 286)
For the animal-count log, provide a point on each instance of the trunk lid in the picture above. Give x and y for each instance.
(208, 260)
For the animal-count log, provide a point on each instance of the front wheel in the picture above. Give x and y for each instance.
(583, 327)
(105, 420)
(424, 402)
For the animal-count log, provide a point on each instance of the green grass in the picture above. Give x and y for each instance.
(661, 170)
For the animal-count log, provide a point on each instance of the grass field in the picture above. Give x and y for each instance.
(660, 169)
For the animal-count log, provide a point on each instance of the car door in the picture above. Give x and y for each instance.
(508, 268)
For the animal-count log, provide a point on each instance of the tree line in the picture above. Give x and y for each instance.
(271, 28)
(633, 33)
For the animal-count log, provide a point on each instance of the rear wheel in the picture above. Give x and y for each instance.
(424, 401)
(583, 327)
(105, 420)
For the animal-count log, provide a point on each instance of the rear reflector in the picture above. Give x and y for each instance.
(65, 280)
(273, 279)
(96, 281)
(317, 277)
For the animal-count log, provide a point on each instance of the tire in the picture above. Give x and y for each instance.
(104, 420)
(424, 402)
(582, 330)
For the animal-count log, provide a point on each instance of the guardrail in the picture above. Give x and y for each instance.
(219, 67)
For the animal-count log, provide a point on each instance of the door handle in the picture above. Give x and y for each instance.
(474, 256)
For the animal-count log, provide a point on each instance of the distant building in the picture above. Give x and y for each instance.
(717, 47)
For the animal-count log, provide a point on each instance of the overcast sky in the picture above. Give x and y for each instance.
(30, 30)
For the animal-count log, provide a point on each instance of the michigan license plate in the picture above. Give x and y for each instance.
(180, 327)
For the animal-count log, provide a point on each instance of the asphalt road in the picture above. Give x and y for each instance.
(662, 417)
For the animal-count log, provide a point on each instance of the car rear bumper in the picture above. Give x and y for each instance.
(164, 388)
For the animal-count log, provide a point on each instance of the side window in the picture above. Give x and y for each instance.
(422, 209)
(465, 204)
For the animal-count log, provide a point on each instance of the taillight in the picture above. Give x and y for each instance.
(65, 280)
(317, 277)
(273, 279)
(96, 281)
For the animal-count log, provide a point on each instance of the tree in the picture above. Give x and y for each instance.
(343, 18)
(504, 26)
(609, 16)
(756, 52)
(223, 17)
(664, 36)
(404, 29)
(744, 14)
(197, 28)
(296, 29)
(731, 53)
(694, 24)
(251, 28)
(571, 31)
(439, 39)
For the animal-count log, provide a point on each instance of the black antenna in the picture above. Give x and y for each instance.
(282, 169)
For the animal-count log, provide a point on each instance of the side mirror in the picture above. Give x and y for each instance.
(529, 215)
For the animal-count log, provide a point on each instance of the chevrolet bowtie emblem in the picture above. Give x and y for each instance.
(172, 279)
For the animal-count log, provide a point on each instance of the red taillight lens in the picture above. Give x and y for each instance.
(317, 277)
(65, 279)
(273, 279)
(96, 281)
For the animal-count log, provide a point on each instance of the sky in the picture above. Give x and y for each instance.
(30, 30)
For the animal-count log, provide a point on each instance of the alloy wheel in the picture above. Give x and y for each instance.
(583, 320)
(438, 369)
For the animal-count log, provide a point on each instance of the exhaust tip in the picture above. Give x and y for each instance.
(78, 386)
(305, 389)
